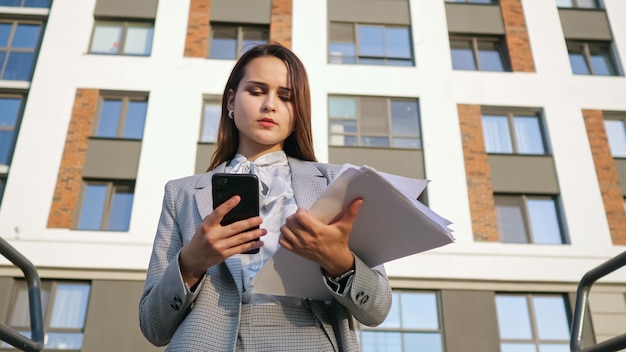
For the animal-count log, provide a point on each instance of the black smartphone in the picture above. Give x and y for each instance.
(246, 186)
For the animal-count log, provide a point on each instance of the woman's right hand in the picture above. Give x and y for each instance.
(213, 243)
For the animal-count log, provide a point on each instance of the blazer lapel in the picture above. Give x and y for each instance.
(204, 201)
(308, 182)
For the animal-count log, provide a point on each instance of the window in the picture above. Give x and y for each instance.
(591, 58)
(3, 181)
(513, 133)
(528, 219)
(10, 113)
(19, 41)
(616, 134)
(106, 205)
(476, 1)
(533, 322)
(64, 305)
(122, 38)
(413, 324)
(478, 53)
(26, 3)
(211, 112)
(374, 122)
(121, 117)
(365, 44)
(583, 4)
(230, 41)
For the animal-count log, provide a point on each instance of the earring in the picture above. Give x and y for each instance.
(231, 114)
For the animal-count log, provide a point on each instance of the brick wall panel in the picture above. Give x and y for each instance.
(280, 23)
(517, 39)
(198, 28)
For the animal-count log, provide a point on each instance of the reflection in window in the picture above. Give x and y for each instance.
(122, 38)
(211, 113)
(19, 41)
(528, 219)
(10, 113)
(26, 3)
(230, 41)
(478, 53)
(582, 4)
(413, 324)
(106, 205)
(352, 43)
(513, 133)
(533, 323)
(591, 58)
(122, 117)
(616, 134)
(64, 308)
(374, 122)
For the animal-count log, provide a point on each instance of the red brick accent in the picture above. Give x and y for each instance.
(280, 23)
(73, 160)
(198, 28)
(608, 178)
(517, 36)
(479, 187)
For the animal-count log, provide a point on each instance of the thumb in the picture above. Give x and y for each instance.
(351, 212)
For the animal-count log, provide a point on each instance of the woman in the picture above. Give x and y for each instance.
(197, 295)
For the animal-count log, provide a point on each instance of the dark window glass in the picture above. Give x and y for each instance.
(26, 36)
(10, 108)
(490, 56)
(122, 38)
(591, 58)
(135, 119)
(5, 33)
(230, 41)
(224, 43)
(109, 120)
(462, 55)
(93, 207)
(26, 3)
(106, 206)
(121, 118)
(121, 207)
(616, 134)
(508, 134)
(478, 53)
(18, 44)
(528, 219)
(210, 121)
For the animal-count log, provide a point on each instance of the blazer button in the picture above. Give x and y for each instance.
(362, 298)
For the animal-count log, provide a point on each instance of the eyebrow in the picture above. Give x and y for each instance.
(264, 85)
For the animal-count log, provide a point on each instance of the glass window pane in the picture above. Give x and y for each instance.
(342, 126)
(6, 146)
(411, 143)
(341, 43)
(397, 43)
(224, 43)
(393, 318)
(20, 314)
(70, 306)
(517, 347)
(343, 140)
(253, 37)
(497, 135)
(431, 342)
(9, 111)
(528, 135)
(10, 2)
(511, 224)
(375, 341)
(513, 317)
(64, 340)
(37, 3)
(419, 311)
(371, 41)
(138, 39)
(602, 64)
(210, 122)
(109, 119)
(19, 66)
(342, 107)
(587, 4)
(404, 118)
(564, 3)
(554, 348)
(616, 134)
(135, 119)
(374, 117)
(121, 207)
(579, 65)
(5, 32)
(490, 60)
(93, 207)
(106, 38)
(375, 141)
(26, 36)
(544, 221)
(462, 55)
(551, 316)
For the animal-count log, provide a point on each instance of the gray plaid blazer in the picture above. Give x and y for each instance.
(208, 319)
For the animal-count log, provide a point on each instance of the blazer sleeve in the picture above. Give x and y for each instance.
(166, 299)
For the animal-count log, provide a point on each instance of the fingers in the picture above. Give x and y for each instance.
(351, 212)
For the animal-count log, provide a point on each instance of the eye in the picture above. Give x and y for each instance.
(255, 90)
(285, 97)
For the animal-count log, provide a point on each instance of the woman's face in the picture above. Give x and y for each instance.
(262, 106)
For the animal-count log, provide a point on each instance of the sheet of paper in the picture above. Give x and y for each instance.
(390, 225)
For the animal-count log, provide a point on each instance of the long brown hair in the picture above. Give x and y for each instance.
(299, 144)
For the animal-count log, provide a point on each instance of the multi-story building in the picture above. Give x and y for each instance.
(514, 109)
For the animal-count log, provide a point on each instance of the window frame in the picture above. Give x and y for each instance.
(361, 328)
(209, 101)
(521, 202)
(125, 98)
(511, 114)
(359, 123)
(50, 286)
(474, 40)
(614, 116)
(112, 186)
(16, 127)
(10, 49)
(586, 49)
(124, 25)
(240, 29)
(473, 2)
(356, 41)
(575, 5)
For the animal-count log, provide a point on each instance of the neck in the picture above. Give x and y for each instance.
(252, 155)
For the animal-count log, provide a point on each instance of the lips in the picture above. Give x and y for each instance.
(267, 122)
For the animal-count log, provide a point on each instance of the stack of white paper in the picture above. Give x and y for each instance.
(391, 224)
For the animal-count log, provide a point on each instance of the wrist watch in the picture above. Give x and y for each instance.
(340, 283)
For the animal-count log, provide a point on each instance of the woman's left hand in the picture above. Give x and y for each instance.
(326, 245)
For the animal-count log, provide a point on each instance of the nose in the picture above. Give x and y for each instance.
(269, 104)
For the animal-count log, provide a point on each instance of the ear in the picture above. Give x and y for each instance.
(230, 100)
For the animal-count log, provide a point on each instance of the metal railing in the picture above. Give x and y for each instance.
(582, 297)
(10, 335)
